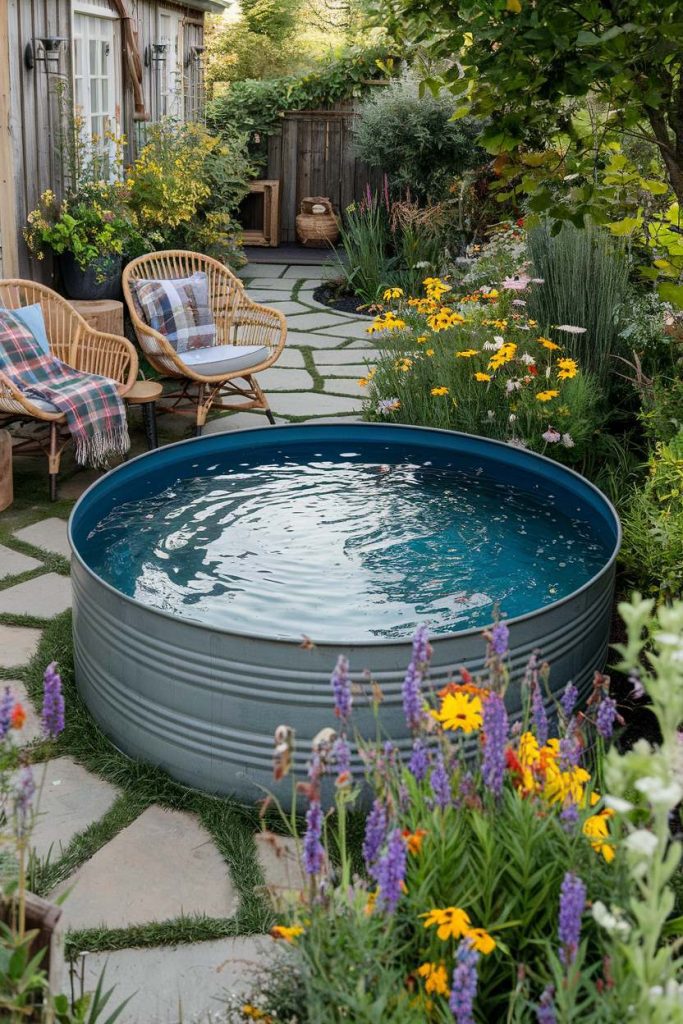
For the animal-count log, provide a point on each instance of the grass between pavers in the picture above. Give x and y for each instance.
(230, 824)
(197, 928)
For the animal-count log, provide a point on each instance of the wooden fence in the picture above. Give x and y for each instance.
(313, 155)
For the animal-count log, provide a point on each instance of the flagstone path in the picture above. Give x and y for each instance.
(165, 864)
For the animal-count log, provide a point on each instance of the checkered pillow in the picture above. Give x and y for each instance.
(179, 309)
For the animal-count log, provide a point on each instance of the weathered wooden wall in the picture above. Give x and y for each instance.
(313, 155)
(33, 157)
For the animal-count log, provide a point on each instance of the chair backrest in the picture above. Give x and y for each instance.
(225, 290)
(63, 323)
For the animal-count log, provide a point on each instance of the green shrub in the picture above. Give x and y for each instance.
(388, 244)
(414, 141)
(185, 186)
(662, 409)
(586, 279)
(652, 551)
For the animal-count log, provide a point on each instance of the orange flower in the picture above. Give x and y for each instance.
(18, 716)
(281, 931)
(414, 839)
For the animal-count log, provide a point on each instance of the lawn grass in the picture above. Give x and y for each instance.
(231, 824)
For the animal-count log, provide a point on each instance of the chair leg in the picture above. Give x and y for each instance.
(271, 418)
(53, 460)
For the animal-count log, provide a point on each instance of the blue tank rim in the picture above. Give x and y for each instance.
(332, 428)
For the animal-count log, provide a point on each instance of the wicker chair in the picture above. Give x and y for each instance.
(74, 342)
(239, 321)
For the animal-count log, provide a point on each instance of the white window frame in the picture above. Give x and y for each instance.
(171, 74)
(112, 116)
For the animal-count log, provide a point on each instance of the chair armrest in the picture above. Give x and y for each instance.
(10, 393)
(254, 324)
(107, 355)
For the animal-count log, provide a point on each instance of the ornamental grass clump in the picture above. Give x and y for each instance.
(508, 870)
(479, 363)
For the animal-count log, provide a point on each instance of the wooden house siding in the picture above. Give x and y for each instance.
(29, 107)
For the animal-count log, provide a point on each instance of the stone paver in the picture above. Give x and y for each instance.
(313, 321)
(348, 370)
(309, 404)
(309, 273)
(297, 337)
(342, 355)
(238, 421)
(288, 307)
(280, 863)
(344, 386)
(161, 866)
(44, 596)
(31, 730)
(262, 270)
(279, 379)
(279, 284)
(71, 800)
(49, 534)
(290, 357)
(18, 644)
(178, 984)
(365, 344)
(350, 329)
(12, 563)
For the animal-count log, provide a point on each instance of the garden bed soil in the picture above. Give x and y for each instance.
(328, 296)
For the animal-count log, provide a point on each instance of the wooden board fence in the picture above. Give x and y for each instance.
(313, 155)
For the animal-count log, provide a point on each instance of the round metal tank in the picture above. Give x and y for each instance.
(203, 702)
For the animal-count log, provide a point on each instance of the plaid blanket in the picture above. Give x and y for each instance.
(95, 413)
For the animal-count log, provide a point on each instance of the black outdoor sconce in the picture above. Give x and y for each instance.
(44, 48)
(155, 53)
(194, 55)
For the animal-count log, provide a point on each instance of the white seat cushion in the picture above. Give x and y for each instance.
(225, 358)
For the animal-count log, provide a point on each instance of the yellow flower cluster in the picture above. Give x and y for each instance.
(434, 288)
(392, 293)
(454, 923)
(567, 368)
(403, 365)
(546, 396)
(386, 322)
(505, 354)
(437, 392)
(444, 318)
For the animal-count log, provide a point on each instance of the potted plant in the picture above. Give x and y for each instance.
(90, 229)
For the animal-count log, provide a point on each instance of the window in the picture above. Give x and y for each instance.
(96, 78)
(171, 70)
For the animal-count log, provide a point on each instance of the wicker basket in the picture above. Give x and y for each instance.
(316, 224)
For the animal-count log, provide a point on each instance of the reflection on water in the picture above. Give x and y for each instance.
(344, 548)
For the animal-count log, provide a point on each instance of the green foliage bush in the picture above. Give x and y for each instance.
(585, 276)
(414, 141)
(652, 551)
(185, 186)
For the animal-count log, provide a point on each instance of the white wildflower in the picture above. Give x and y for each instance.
(658, 792)
(611, 920)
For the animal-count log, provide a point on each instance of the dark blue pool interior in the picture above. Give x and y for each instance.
(370, 459)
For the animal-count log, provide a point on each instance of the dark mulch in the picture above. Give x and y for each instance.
(329, 296)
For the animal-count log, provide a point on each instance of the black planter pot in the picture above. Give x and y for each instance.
(101, 280)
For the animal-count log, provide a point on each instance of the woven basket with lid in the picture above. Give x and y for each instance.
(316, 223)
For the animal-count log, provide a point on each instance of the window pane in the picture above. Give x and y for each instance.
(93, 69)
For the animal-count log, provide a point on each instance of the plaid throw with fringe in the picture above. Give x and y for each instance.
(95, 413)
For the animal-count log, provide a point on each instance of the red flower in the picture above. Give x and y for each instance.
(18, 716)
(533, 370)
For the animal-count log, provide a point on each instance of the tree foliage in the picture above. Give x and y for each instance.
(521, 61)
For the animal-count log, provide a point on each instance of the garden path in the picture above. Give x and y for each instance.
(160, 867)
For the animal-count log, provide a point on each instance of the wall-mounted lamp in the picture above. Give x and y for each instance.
(45, 48)
(194, 55)
(155, 53)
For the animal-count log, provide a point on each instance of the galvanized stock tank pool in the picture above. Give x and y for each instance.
(217, 580)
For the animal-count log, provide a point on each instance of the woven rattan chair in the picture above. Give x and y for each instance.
(239, 322)
(74, 342)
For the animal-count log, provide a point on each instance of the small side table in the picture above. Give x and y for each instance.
(102, 314)
(146, 393)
